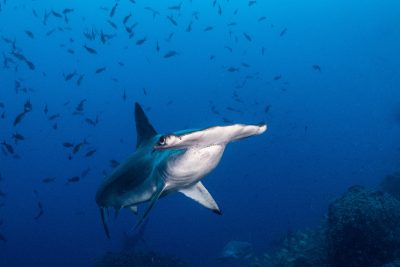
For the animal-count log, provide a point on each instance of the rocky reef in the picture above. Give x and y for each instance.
(362, 229)
(137, 259)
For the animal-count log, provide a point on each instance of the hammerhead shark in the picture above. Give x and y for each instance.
(167, 163)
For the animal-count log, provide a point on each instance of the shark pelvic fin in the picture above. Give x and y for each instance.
(144, 129)
(153, 200)
(201, 195)
(134, 209)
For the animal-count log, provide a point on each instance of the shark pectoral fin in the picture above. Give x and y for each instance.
(201, 195)
(134, 209)
(153, 200)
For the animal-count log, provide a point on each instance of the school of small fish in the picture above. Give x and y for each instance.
(120, 22)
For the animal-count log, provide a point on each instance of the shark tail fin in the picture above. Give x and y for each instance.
(104, 221)
(144, 129)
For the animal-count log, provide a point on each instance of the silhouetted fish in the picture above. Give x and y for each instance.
(171, 53)
(90, 153)
(73, 179)
(68, 145)
(48, 180)
(172, 20)
(283, 32)
(8, 147)
(90, 50)
(316, 67)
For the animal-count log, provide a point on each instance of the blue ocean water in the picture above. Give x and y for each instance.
(323, 75)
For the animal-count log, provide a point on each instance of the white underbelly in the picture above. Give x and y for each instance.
(190, 167)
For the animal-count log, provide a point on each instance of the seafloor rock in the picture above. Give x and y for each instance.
(302, 249)
(137, 259)
(391, 185)
(363, 229)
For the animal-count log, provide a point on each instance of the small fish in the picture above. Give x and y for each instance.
(176, 7)
(53, 117)
(90, 50)
(112, 12)
(69, 76)
(251, 3)
(19, 118)
(68, 145)
(141, 41)
(126, 18)
(231, 24)
(112, 24)
(233, 69)
(277, 77)
(171, 19)
(2, 105)
(73, 179)
(171, 53)
(67, 10)
(267, 108)
(30, 34)
(100, 70)
(261, 18)
(316, 67)
(189, 27)
(46, 110)
(90, 153)
(230, 49)
(56, 14)
(79, 81)
(155, 12)
(28, 106)
(283, 32)
(247, 36)
(144, 91)
(48, 180)
(124, 97)
(157, 47)
(18, 137)
(40, 213)
(208, 28)
(91, 121)
(80, 107)
(78, 147)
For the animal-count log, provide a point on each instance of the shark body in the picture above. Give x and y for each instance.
(163, 164)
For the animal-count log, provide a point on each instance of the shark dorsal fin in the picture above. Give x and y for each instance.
(144, 129)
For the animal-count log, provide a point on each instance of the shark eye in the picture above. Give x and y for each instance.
(162, 141)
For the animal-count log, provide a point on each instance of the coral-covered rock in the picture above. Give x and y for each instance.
(363, 228)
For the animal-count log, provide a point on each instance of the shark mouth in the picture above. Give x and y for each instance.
(104, 221)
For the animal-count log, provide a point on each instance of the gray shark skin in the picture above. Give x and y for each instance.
(163, 164)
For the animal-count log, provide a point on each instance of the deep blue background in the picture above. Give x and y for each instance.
(266, 185)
